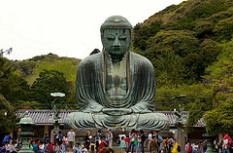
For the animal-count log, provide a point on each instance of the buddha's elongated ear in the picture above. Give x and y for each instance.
(102, 36)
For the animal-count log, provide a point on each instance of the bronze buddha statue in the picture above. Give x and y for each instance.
(116, 86)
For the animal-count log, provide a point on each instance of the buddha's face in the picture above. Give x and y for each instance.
(116, 41)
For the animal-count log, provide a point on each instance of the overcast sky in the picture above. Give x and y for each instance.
(65, 27)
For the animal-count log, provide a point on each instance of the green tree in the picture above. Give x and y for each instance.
(175, 56)
(220, 73)
(7, 117)
(224, 29)
(67, 66)
(26, 67)
(217, 110)
(13, 89)
(220, 117)
(196, 93)
(31, 69)
(169, 70)
(49, 81)
(143, 33)
(12, 86)
(204, 29)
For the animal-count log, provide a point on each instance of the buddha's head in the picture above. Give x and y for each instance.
(116, 35)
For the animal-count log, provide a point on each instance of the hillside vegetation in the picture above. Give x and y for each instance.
(190, 46)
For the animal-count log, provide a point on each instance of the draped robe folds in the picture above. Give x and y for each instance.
(92, 96)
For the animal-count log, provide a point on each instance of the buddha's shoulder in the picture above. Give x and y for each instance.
(92, 59)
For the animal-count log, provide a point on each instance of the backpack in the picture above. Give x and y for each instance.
(60, 138)
(190, 149)
(143, 137)
(178, 148)
(35, 147)
(50, 147)
(160, 138)
(31, 147)
(92, 147)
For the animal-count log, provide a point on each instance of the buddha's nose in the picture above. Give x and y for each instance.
(116, 43)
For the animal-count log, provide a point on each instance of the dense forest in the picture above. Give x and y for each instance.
(190, 46)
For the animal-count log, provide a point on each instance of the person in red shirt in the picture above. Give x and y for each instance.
(227, 141)
(102, 144)
(127, 140)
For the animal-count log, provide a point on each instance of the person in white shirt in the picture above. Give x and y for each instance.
(77, 148)
(12, 148)
(42, 147)
(150, 135)
(71, 139)
(122, 134)
(7, 146)
(131, 146)
(109, 137)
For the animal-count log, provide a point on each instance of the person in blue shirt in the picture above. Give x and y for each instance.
(7, 138)
(77, 148)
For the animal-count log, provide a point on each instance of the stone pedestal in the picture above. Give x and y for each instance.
(25, 141)
(180, 136)
(210, 145)
(26, 126)
(55, 127)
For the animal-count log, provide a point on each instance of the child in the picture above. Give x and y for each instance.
(56, 148)
(123, 144)
(84, 149)
(12, 148)
(77, 149)
(42, 147)
(92, 147)
(63, 147)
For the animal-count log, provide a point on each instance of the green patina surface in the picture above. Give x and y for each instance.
(116, 87)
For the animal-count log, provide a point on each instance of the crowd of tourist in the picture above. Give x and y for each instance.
(134, 141)
(9, 147)
(224, 146)
(200, 147)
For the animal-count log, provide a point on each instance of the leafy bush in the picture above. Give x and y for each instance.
(224, 29)
(220, 117)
